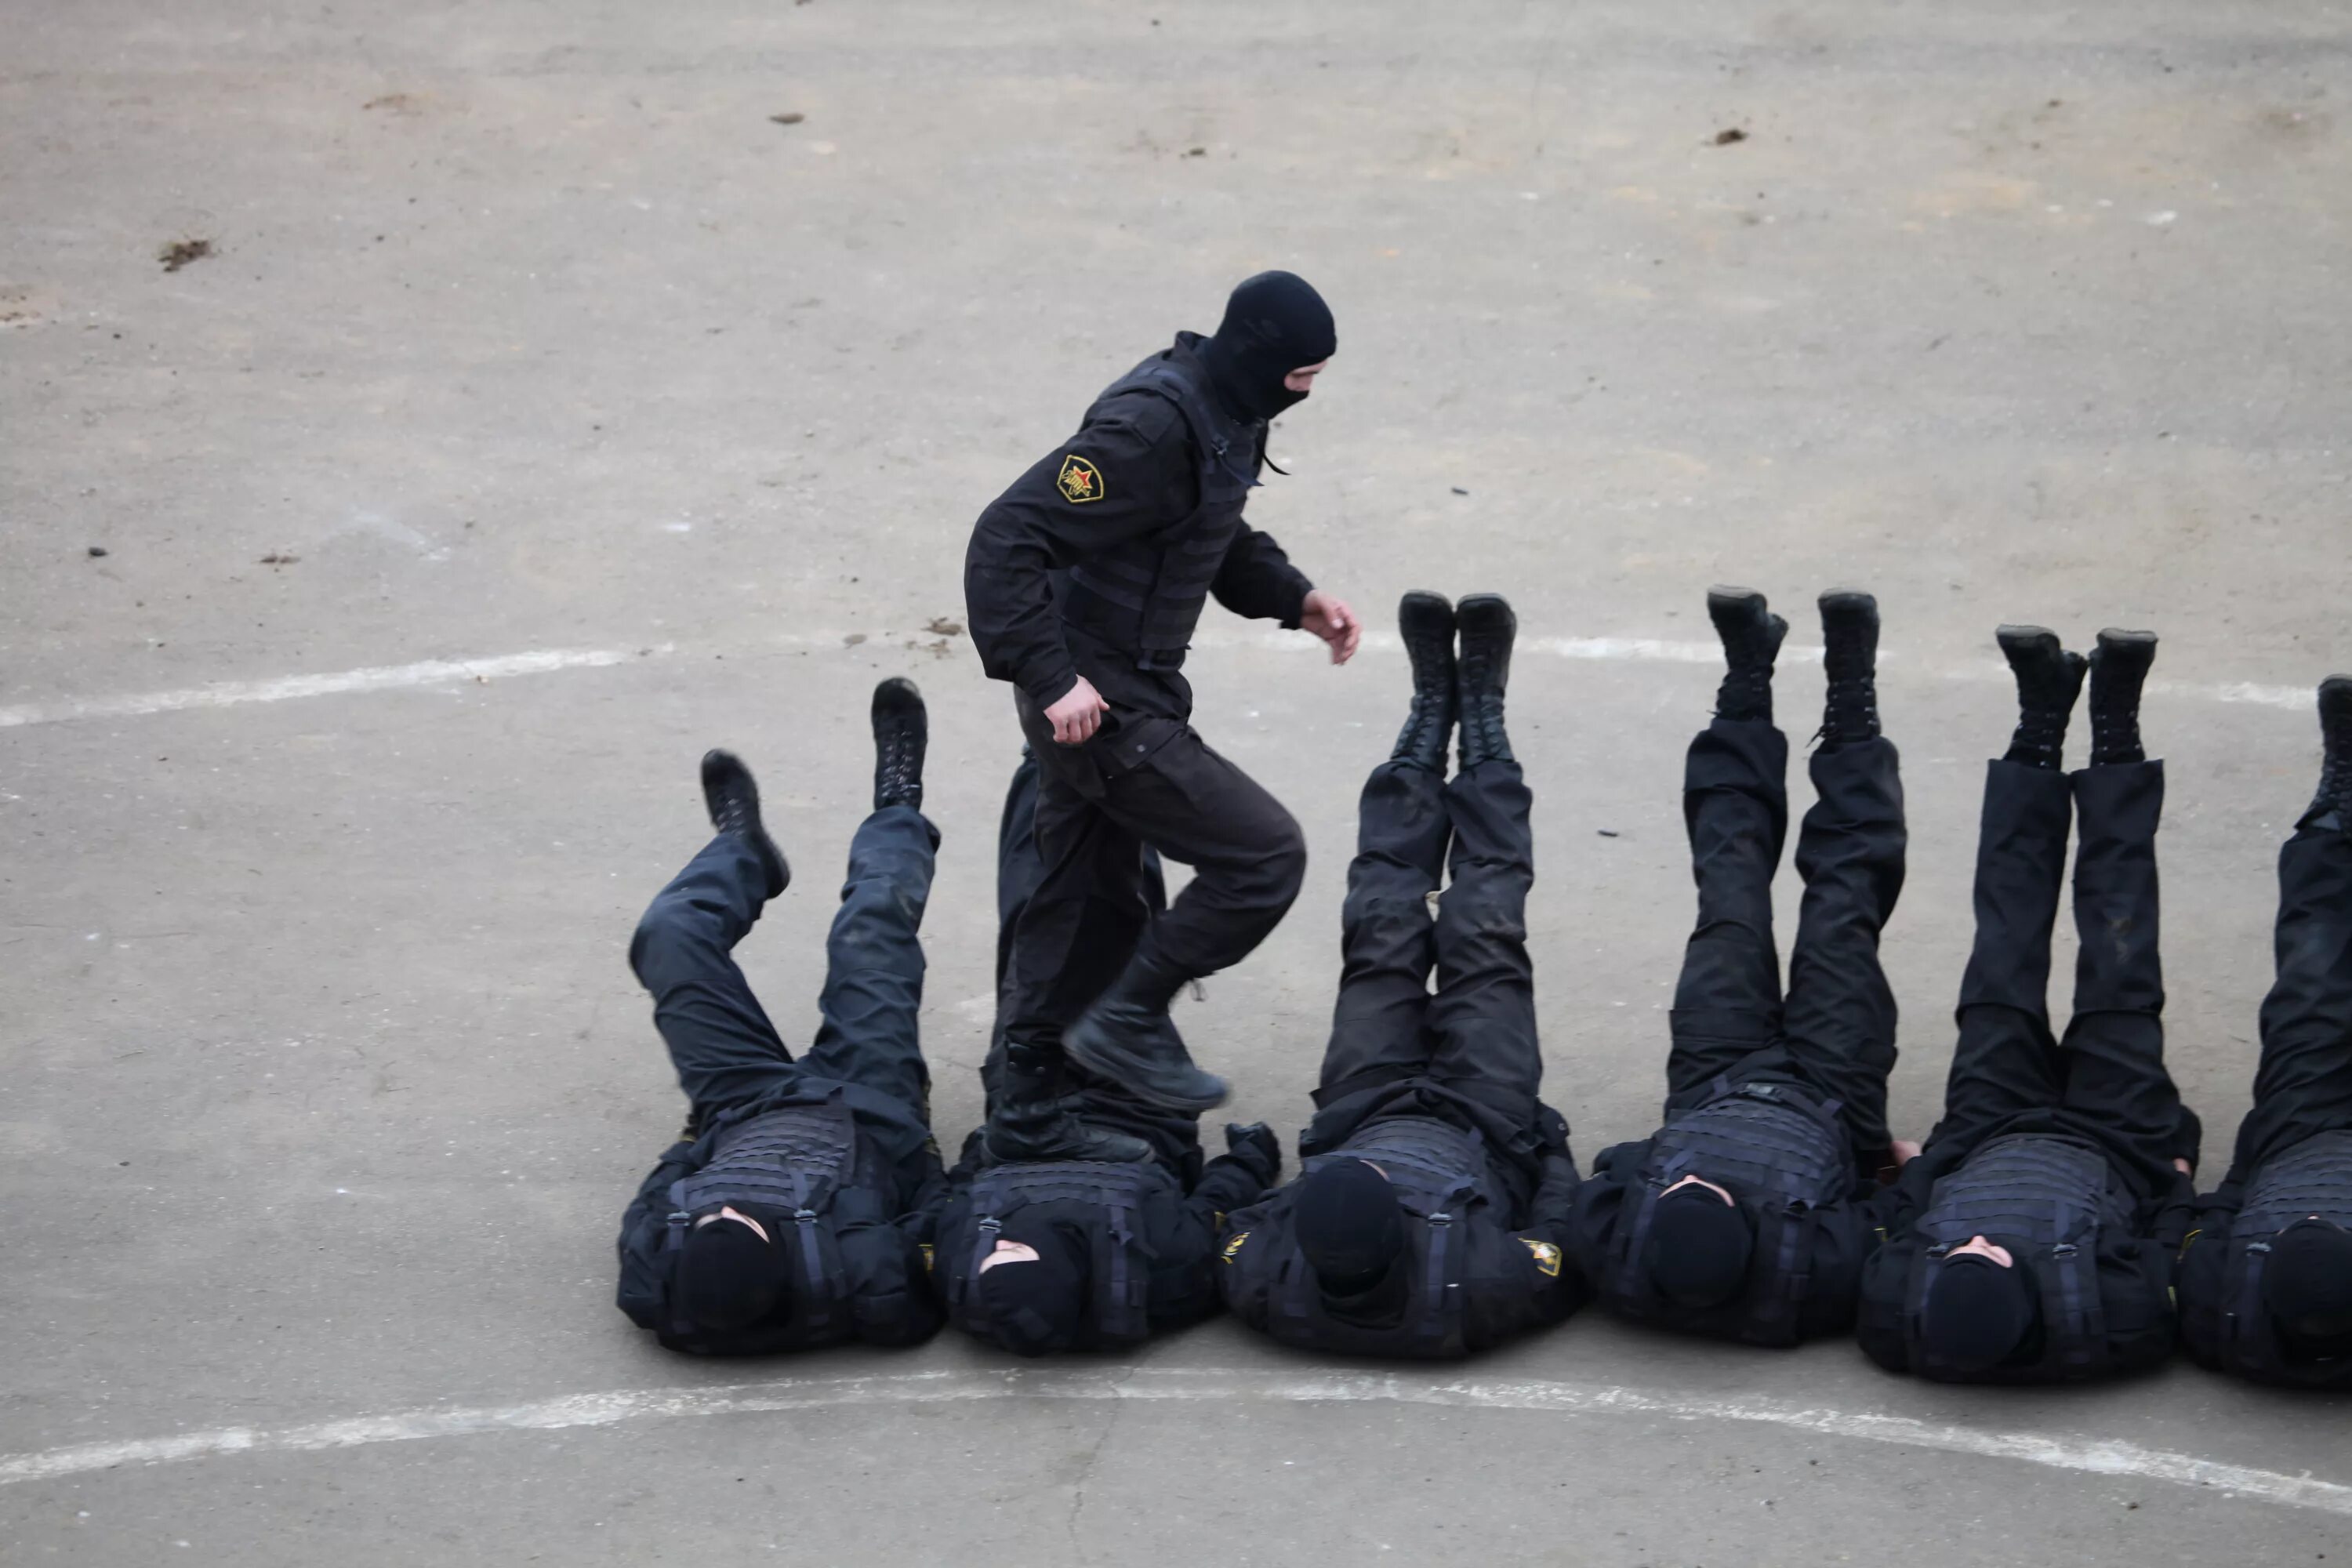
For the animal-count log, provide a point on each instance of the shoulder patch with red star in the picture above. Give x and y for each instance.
(1079, 481)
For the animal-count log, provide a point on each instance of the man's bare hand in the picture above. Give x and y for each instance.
(1330, 618)
(1906, 1151)
(1077, 715)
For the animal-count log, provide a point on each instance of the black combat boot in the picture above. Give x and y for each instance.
(2048, 680)
(1751, 638)
(1127, 1038)
(2119, 666)
(2332, 807)
(1850, 650)
(1032, 1123)
(1426, 622)
(901, 731)
(734, 803)
(1485, 625)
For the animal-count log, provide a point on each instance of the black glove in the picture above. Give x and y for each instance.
(1256, 1146)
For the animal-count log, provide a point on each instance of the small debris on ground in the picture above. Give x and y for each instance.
(180, 252)
(790, 117)
(280, 558)
(1729, 135)
(1460, 491)
(852, 639)
(396, 102)
(942, 627)
(1196, 151)
(96, 550)
(1606, 832)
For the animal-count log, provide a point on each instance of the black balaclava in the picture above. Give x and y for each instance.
(1700, 1246)
(1977, 1312)
(1037, 1307)
(1348, 1226)
(2307, 1286)
(1274, 324)
(727, 1278)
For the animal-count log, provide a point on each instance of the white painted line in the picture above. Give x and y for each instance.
(439, 672)
(376, 678)
(1208, 1385)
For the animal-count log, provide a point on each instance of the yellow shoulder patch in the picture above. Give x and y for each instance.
(1546, 1255)
(1079, 481)
(1235, 1245)
(929, 1256)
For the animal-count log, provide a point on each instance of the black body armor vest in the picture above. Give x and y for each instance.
(1144, 597)
(1120, 1266)
(1439, 1171)
(2047, 1200)
(1782, 1154)
(794, 1159)
(2313, 1177)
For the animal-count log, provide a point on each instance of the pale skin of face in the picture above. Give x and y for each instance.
(1079, 713)
(728, 1211)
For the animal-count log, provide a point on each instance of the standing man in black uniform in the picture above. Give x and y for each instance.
(1083, 583)
(1748, 1216)
(795, 1210)
(2033, 1240)
(1044, 1255)
(1433, 1214)
(2266, 1278)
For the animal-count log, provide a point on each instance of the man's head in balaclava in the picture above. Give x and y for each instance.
(1033, 1285)
(1700, 1244)
(1348, 1224)
(2307, 1286)
(1978, 1311)
(1275, 324)
(732, 1269)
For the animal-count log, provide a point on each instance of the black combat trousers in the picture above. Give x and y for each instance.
(2107, 1081)
(1142, 782)
(1174, 1136)
(2305, 1083)
(1834, 1033)
(726, 1051)
(1475, 1036)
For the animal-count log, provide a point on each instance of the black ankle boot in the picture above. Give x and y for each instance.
(2048, 680)
(1032, 1123)
(1486, 626)
(1127, 1038)
(1850, 642)
(2119, 666)
(1751, 638)
(733, 801)
(2333, 800)
(901, 733)
(1426, 622)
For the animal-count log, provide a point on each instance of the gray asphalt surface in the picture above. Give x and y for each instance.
(525, 328)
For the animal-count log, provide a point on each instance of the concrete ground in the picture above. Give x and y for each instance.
(528, 339)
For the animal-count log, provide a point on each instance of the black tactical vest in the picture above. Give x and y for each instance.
(2313, 1177)
(1782, 1154)
(1144, 597)
(1120, 1265)
(2047, 1200)
(1439, 1171)
(794, 1159)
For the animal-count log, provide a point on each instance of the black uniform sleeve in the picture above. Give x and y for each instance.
(2136, 1293)
(1844, 1236)
(1128, 472)
(644, 1228)
(2201, 1277)
(1514, 1283)
(1600, 1204)
(1878, 1322)
(1258, 580)
(889, 1284)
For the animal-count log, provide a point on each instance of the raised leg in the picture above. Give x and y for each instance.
(719, 1039)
